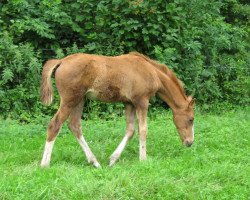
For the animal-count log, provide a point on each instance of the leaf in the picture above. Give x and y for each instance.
(7, 75)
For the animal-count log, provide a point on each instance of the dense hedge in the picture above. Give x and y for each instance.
(206, 42)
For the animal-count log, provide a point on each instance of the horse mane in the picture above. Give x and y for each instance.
(163, 68)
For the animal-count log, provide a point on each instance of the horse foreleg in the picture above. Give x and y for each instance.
(141, 112)
(130, 119)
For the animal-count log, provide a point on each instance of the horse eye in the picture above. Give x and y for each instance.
(191, 120)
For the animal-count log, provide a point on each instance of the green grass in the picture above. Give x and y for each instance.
(215, 167)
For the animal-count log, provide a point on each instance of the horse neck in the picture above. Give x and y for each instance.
(171, 93)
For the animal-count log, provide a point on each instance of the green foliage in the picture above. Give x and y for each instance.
(206, 43)
(215, 167)
(20, 74)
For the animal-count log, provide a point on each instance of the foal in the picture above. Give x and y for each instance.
(131, 78)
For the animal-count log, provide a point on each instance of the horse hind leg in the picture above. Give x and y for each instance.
(52, 131)
(75, 126)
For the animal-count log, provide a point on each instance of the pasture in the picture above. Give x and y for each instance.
(215, 167)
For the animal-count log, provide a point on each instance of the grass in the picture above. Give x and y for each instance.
(215, 167)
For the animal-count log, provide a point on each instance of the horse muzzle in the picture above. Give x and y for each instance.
(188, 143)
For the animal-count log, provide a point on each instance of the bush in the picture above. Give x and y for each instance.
(205, 42)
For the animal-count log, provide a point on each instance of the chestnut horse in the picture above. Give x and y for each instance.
(131, 78)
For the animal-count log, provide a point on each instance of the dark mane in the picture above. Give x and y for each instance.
(163, 68)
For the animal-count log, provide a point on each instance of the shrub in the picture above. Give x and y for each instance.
(205, 42)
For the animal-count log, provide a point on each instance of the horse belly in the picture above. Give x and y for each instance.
(107, 94)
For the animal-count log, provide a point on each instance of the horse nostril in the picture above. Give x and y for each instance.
(188, 143)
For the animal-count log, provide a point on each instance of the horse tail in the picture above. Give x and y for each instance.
(46, 89)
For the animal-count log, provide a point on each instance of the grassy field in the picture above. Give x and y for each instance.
(215, 167)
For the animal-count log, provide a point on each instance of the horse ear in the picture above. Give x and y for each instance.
(192, 102)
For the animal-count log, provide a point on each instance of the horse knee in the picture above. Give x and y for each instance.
(143, 135)
(130, 133)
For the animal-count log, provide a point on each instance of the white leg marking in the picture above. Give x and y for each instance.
(142, 140)
(47, 153)
(90, 156)
(117, 153)
(143, 154)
